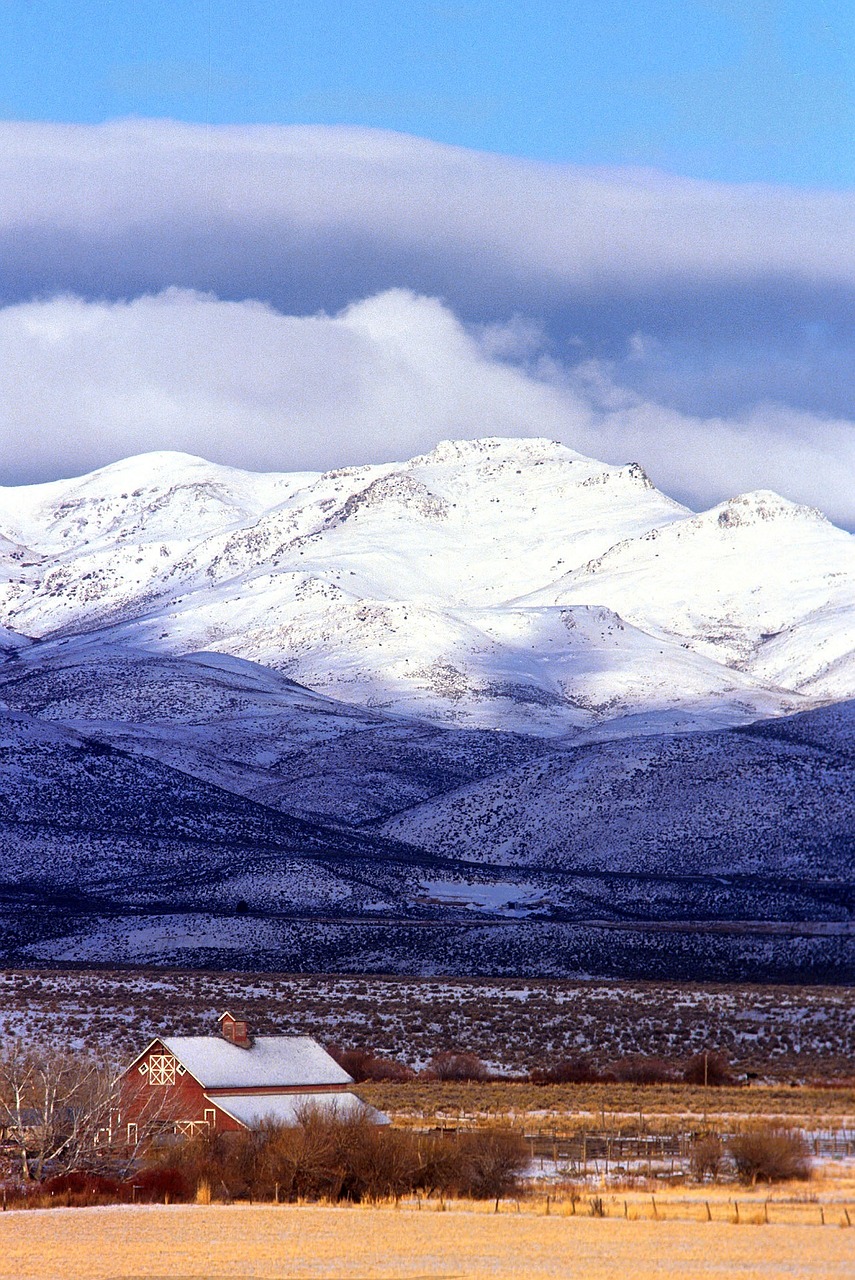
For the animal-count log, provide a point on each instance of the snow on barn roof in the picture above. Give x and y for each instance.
(270, 1060)
(289, 1108)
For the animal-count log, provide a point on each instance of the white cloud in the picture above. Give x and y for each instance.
(242, 384)
(387, 377)
(744, 293)
(179, 186)
(703, 328)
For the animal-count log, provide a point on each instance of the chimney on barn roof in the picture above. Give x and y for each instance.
(233, 1030)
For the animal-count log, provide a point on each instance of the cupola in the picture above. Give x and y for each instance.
(234, 1030)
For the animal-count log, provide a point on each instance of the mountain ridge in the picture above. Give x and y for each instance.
(421, 587)
(498, 709)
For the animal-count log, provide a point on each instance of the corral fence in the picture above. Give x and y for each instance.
(606, 1147)
(599, 1153)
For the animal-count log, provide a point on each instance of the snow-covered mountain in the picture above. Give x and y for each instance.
(428, 716)
(251, 731)
(203, 811)
(496, 583)
(772, 802)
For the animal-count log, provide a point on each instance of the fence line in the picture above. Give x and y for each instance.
(602, 1145)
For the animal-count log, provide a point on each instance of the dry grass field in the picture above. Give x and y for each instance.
(620, 1108)
(464, 1241)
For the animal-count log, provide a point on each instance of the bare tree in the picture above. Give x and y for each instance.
(59, 1111)
(51, 1106)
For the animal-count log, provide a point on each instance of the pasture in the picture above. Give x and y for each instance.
(467, 1241)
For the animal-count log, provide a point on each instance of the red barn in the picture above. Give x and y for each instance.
(231, 1081)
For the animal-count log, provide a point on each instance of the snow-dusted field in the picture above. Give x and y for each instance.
(125, 1243)
(777, 1032)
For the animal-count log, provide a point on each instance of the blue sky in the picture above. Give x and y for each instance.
(752, 91)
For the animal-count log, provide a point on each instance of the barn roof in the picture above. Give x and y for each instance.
(270, 1060)
(288, 1108)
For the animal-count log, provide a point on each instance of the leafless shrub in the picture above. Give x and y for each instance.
(378, 1164)
(326, 1157)
(439, 1165)
(706, 1156)
(490, 1163)
(567, 1071)
(156, 1185)
(643, 1070)
(80, 1188)
(363, 1065)
(770, 1155)
(204, 1159)
(708, 1068)
(350, 1060)
(450, 1065)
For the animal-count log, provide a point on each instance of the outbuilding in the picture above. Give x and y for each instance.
(232, 1081)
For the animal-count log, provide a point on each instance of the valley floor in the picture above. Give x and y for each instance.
(515, 1025)
(465, 1241)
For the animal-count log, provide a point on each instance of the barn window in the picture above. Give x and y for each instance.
(161, 1068)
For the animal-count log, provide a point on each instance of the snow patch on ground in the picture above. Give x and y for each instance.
(508, 898)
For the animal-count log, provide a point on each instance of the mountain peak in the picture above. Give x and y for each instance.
(761, 505)
(498, 449)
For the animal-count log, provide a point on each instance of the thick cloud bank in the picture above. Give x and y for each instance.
(705, 329)
(738, 293)
(240, 383)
